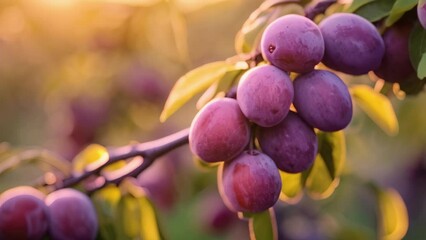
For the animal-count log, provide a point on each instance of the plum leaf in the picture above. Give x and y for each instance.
(377, 107)
(194, 82)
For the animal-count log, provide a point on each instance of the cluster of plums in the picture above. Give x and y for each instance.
(249, 179)
(27, 214)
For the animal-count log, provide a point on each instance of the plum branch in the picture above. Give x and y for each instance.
(148, 152)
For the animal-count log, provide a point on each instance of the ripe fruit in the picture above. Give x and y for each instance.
(250, 182)
(23, 214)
(219, 131)
(352, 44)
(293, 43)
(396, 65)
(265, 94)
(292, 144)
(322, 99)
(71, 216)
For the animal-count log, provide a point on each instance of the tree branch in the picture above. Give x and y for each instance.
(149, 151)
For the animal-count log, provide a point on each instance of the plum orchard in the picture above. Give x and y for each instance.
(285, 103)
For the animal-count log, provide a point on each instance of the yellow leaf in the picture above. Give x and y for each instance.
(393, 215)
(194, 82)
(149, 222)
(92, 156)
(105, 201)
(292, 184)
(377, 107)
(319, 184)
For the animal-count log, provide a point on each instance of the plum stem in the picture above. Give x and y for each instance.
(149, 151)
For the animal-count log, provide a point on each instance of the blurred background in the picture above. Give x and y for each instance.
(76, 72)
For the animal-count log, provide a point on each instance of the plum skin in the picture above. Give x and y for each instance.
(72, 215)
(219, 131)
(293, 43)
(396, 65)
(23, 214)
(323, 100)
(352, 44)
(292, 144)
(265, 94)
(249, 183)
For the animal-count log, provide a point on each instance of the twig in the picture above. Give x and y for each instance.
(149, 151)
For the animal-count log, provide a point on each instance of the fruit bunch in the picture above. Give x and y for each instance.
(27, 214)
(270, 126)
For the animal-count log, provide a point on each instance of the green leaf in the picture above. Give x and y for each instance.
(417, 48)
(323, 177)
(249, 36)
(357, 4)
(421, 70)
(332, 149)
(263, 226)
(377, 107)
(393, 216)
(375, 10)
(398, 10)
(106, 201)
(292, 185)
(195, 82)
(31, 167)
(319, 184)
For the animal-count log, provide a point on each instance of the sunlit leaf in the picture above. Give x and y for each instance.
(128, 220)
(393, 216)
(292, 185)
(93, 154)
(195, 82)
(105, 201)
(377, 107)
(417, 48)
(323, 177)
(332, 149)
(263, 226)
(357, 4)
(398, 10)
(319, 184)
(421, 70)
(220, 86)
(149, 227)
(145, 216)
(375, 10)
